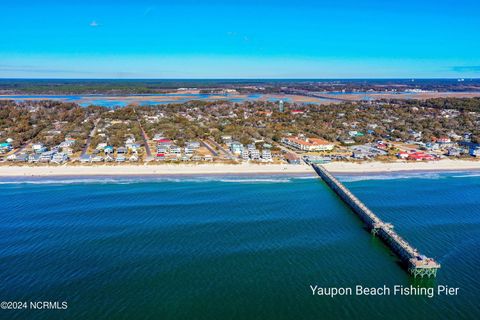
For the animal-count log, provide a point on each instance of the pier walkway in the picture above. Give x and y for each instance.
(416, 263)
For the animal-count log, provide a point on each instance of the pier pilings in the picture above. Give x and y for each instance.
(416, 264)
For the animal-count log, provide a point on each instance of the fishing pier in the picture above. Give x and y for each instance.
(417, 264)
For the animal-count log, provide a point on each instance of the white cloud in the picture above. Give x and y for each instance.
(93, 24)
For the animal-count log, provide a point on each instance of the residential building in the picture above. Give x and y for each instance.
(175, 149)
(33, 158)
(21, 157)
(308, 144)
(475, 151)
(46, 156)
(254, 154)
(85, 158)
(39, 148)
(266, 155)
(292, 158)
(236, 147)
(59, 157)
(245, 155)
(108, 150)
(97, 159)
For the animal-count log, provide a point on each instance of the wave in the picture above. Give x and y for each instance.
(430, 176)
(472, 175)
(312, 177)
(274, 180)
(136, 180)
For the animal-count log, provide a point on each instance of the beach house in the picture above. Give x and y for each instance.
(5, 147)
(236, 147)
(46, 156)
(475, 151)
(292, 158)
(267, 155)
(59, 157)
(38, 148)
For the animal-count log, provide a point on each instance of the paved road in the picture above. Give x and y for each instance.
(206, 145)
(22, 147)
(89, 138)
(145, 139)
(227, 153)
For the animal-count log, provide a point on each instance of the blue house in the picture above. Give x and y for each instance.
(108, 149)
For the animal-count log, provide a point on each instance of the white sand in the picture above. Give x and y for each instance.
(441, 165)
(189, 169)
(165, 169)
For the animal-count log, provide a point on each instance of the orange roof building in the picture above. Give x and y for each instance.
(308, 144)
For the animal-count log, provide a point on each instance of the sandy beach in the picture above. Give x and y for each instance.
(164, 169)
(398, 166)
(246, 168)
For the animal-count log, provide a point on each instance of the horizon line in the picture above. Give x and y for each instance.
(347, 78)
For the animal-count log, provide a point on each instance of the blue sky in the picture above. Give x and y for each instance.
(240, 39)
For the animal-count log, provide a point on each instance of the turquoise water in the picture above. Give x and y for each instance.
(232, 247)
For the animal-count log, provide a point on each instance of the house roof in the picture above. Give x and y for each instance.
(310, 141)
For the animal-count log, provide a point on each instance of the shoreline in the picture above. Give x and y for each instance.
(235, 169)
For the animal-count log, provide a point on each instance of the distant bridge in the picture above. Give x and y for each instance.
(417, 264)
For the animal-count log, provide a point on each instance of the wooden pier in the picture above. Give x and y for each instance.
(417, 264)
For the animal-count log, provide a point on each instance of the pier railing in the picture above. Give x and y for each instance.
(416, 263)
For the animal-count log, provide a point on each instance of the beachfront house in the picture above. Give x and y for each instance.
(188, 150)
(59, 158)
(39, 148)
(292, 158)
(245, 155)
(475, 151)
(402, 155)
(196, 158)
(254, 154)
(46, 156)
(236, 147)
(21, 157)
(97, 159)
(33, 158)
(266, 155)
(420, 156)
(453, 152)
(85, 158)
(175, 149)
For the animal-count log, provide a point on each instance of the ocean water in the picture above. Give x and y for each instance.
(233, 247)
